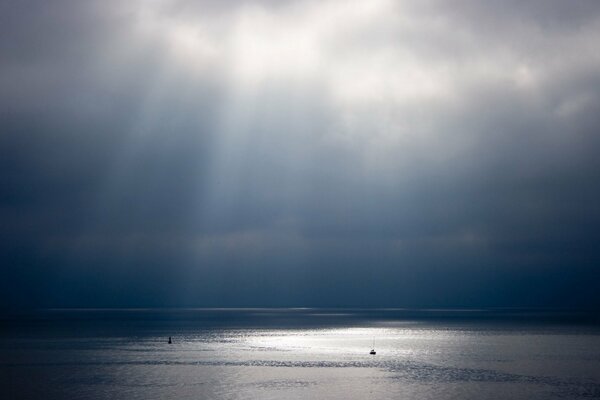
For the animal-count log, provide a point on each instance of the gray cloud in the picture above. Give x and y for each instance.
(299, 153)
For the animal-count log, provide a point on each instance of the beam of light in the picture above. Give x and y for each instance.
(313, 102)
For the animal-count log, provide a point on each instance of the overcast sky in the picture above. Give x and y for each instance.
(299, 153)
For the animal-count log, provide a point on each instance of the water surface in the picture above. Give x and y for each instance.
(300, 353)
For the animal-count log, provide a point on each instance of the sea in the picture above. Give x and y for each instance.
(299, 353)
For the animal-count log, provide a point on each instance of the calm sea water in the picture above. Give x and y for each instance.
(299, 354)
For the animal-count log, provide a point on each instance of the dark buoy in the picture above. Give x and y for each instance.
(373, 352)
(170, 341)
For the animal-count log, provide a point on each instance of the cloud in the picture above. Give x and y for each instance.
(438, 145)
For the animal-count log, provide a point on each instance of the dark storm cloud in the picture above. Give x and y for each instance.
(299, 153)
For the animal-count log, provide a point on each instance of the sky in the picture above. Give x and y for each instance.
(299, 153)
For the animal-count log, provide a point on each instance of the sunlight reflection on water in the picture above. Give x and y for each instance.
(423, 360)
